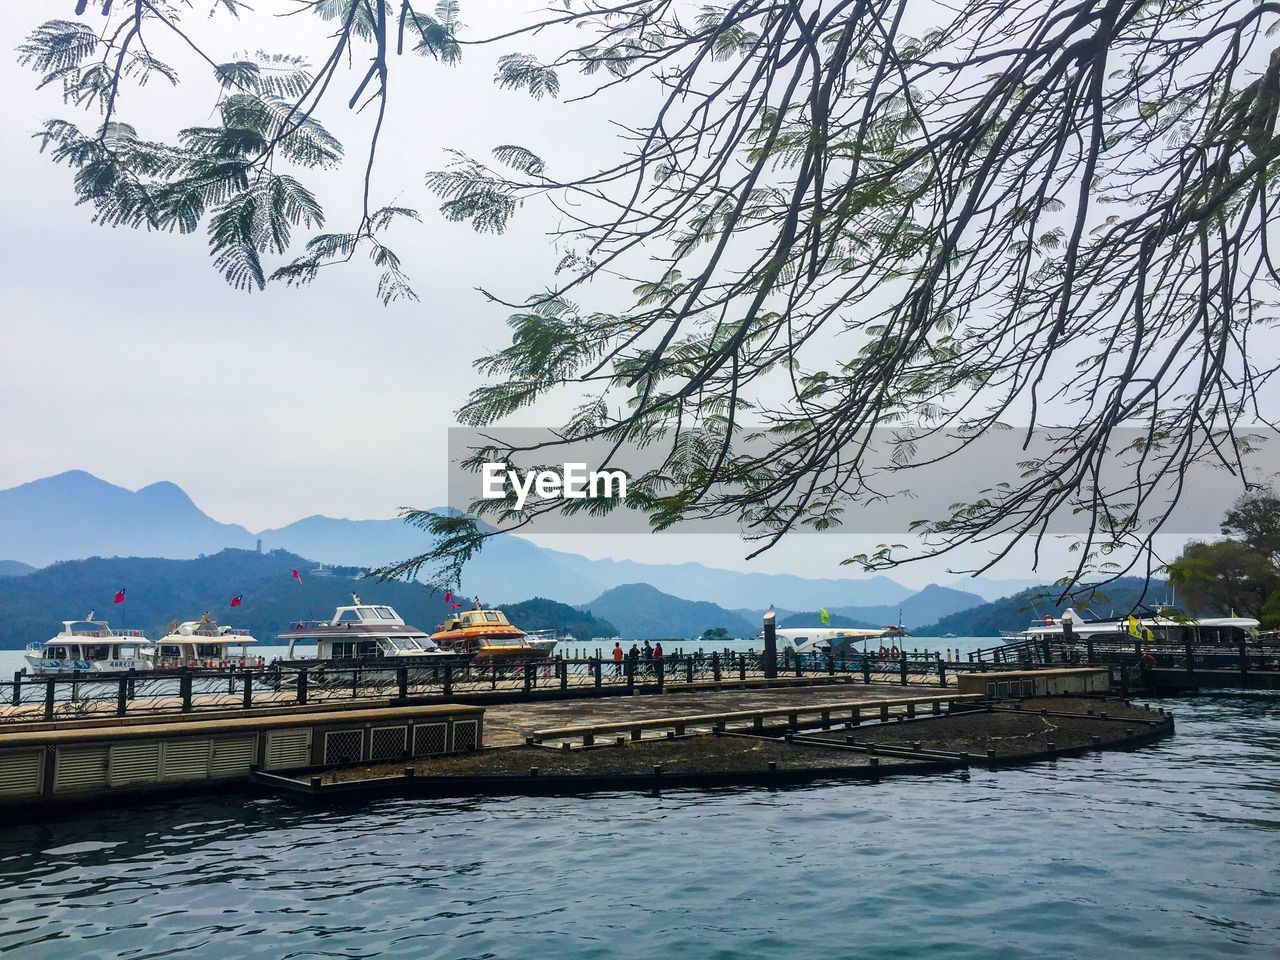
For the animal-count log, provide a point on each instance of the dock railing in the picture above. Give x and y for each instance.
(47, 698)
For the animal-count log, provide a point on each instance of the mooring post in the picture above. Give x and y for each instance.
(715, 666)
(866, 669)
(688, 669)
(48, 699)
(742, 666)
(598, 672)
(631, 678)
(184, 688)
(122, 695)
(770, 643)
(302, 685)
(902, 667)
(248, 689)
(17, 687)
(942, 672)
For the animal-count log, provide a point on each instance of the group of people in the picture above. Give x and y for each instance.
(651, 655)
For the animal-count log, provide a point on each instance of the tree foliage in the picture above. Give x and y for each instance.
(1240, 574)
(838, 218)
(231, 177)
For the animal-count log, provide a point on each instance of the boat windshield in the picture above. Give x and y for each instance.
(503, 642)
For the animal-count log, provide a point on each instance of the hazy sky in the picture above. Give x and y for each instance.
(126, 354)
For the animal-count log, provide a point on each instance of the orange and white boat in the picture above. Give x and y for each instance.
(486, 635)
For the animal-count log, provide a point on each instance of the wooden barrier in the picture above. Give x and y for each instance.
(757, 718)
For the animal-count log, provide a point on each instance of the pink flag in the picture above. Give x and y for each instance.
(296, 575)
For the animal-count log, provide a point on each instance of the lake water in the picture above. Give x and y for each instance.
(1170, 851)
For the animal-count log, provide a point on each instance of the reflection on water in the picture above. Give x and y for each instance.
(1170, 851)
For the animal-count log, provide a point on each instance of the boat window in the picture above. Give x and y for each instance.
(468, 620)
(55, 653)
(491, 616)
(170, 651)
(208, 650)
(386, 613)
(98, 652)
(346, 616)
(366, 613)
(389, 643)
(85, 626)
(499, 642)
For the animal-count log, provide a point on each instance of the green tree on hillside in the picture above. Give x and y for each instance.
(834, 217)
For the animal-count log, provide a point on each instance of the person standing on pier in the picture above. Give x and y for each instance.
(617, 658)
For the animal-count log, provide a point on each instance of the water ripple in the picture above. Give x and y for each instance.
(1168, 851)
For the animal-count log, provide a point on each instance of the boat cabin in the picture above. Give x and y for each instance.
(205, 644)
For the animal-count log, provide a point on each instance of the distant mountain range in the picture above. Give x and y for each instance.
(642, 612)
(75, 515)
(12, 568)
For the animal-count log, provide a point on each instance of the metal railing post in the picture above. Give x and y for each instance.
(688, 669)
(528, 678)
(742, 666)
(448, 679)
(715, 666)
(48, 699)
(184, 688)
(564, 674)
(122, 694)
(402, 682)
(302, 685)
(942, 672)
(248, 690)
(902, 667)
(866, 669)
(597, 670)
(17, 687)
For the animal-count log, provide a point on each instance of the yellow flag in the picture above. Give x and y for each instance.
(1135, 626)
(826, 617)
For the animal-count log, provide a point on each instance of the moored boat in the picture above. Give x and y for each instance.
(90, 646)
(360, 632)
(205, 645)
(487, 635)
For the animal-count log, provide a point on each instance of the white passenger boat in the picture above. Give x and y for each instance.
(361, 631)
(204, 644)
(544, 641)
(91, 646)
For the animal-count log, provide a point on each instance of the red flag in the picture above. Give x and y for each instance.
(455, 605)
(235, 601)
(296, 575)
(448, 596)
(120, 596)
